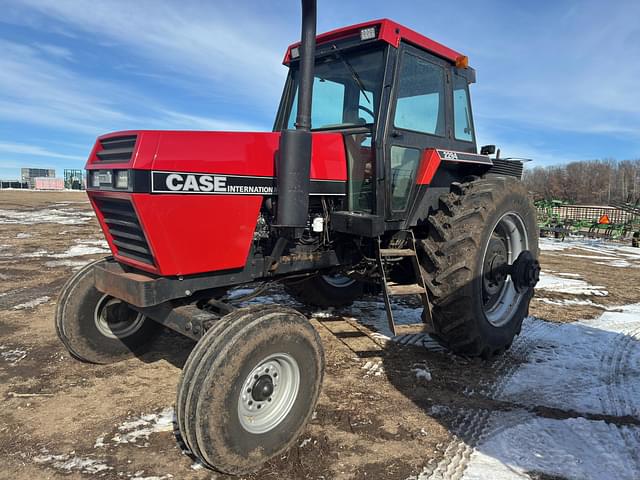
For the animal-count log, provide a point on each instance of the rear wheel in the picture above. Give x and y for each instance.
(325, 290)
(481, 228)
(249, 387)
(97, 328)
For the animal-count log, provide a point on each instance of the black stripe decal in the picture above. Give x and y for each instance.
(463, 157)
(163, 182)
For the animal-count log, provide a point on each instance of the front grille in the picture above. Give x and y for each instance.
(512, 168)
(125, 229)
(117, 149)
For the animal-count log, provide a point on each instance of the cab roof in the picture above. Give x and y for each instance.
(388, 31)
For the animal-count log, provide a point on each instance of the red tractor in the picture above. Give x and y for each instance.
(380, 182)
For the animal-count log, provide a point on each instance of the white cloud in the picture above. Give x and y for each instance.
(37, 90)
(55, 51)
(237, 52)
(195, 122)
(34, 150)
(565, 68)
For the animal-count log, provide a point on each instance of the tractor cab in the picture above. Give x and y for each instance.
(398, 98)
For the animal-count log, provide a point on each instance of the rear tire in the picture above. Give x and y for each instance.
(325, 290)
(249, 388)
(97, 328)
(475, 313)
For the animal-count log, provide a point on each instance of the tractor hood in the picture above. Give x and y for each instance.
(181, 203)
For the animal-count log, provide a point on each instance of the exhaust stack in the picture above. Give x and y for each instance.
(294, 159)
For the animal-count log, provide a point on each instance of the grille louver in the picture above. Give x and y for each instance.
(125, 229)
(117, 149)
(512, 168)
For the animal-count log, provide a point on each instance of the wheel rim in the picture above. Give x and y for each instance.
(115, 319)
(499, 296)
(338, 281)
(268, 393)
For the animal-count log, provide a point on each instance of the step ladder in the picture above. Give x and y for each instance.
(390, 289)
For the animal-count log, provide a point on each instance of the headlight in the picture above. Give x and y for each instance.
(122, 179)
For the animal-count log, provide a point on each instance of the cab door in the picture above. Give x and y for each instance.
(418, 119)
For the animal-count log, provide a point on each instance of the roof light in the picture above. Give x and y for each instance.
(462, 61)
(368, 33)
(295, 52)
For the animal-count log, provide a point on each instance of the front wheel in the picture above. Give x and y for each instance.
(97, 328)
(249, 387)
(481, 228)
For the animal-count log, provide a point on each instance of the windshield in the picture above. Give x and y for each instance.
(346, 90)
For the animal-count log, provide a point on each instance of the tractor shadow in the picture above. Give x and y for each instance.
(169, 346)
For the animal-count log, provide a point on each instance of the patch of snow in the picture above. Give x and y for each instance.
(23, 235)
(589, 257)
(99, 443)
(70, 463)
(79, 251)
(572, 301)
(521, 443)
(603, 250)
(33, 303)
(305, 442)
(75, 264)
(49, 215)
(619, 263)
(141, 428)
(552, 245)
(12, 355)
(137, 476)
(422, 372)
(4, 277)
(568, 275)
(373, 368)
(589, 366)
(569, 285)
(36, 254)
(372, 314)
(585, 368)
(97, 242)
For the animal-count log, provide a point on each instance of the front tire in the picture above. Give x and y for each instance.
(97, 328)
(325, 290)
(481, 227)
(249, 387)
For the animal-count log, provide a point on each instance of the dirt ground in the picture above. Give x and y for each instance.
(378, 416)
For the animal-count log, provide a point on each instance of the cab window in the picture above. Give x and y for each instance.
(463, 127)
(420, 104)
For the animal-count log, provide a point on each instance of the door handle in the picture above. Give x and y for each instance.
(396, 134)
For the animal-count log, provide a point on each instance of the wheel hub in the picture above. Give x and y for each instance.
(262, 389)
(496, 266)
(525, 271)
(268, 393)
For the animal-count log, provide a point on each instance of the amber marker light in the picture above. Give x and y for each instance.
(462, 61)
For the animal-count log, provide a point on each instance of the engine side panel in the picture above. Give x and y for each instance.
(189, 233)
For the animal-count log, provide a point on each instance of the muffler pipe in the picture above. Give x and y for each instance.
(293, 165)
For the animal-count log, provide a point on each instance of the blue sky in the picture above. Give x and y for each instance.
(557, 80)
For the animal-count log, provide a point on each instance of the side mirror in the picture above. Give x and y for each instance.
(488, 150)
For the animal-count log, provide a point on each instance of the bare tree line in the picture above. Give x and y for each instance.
(598, 182)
